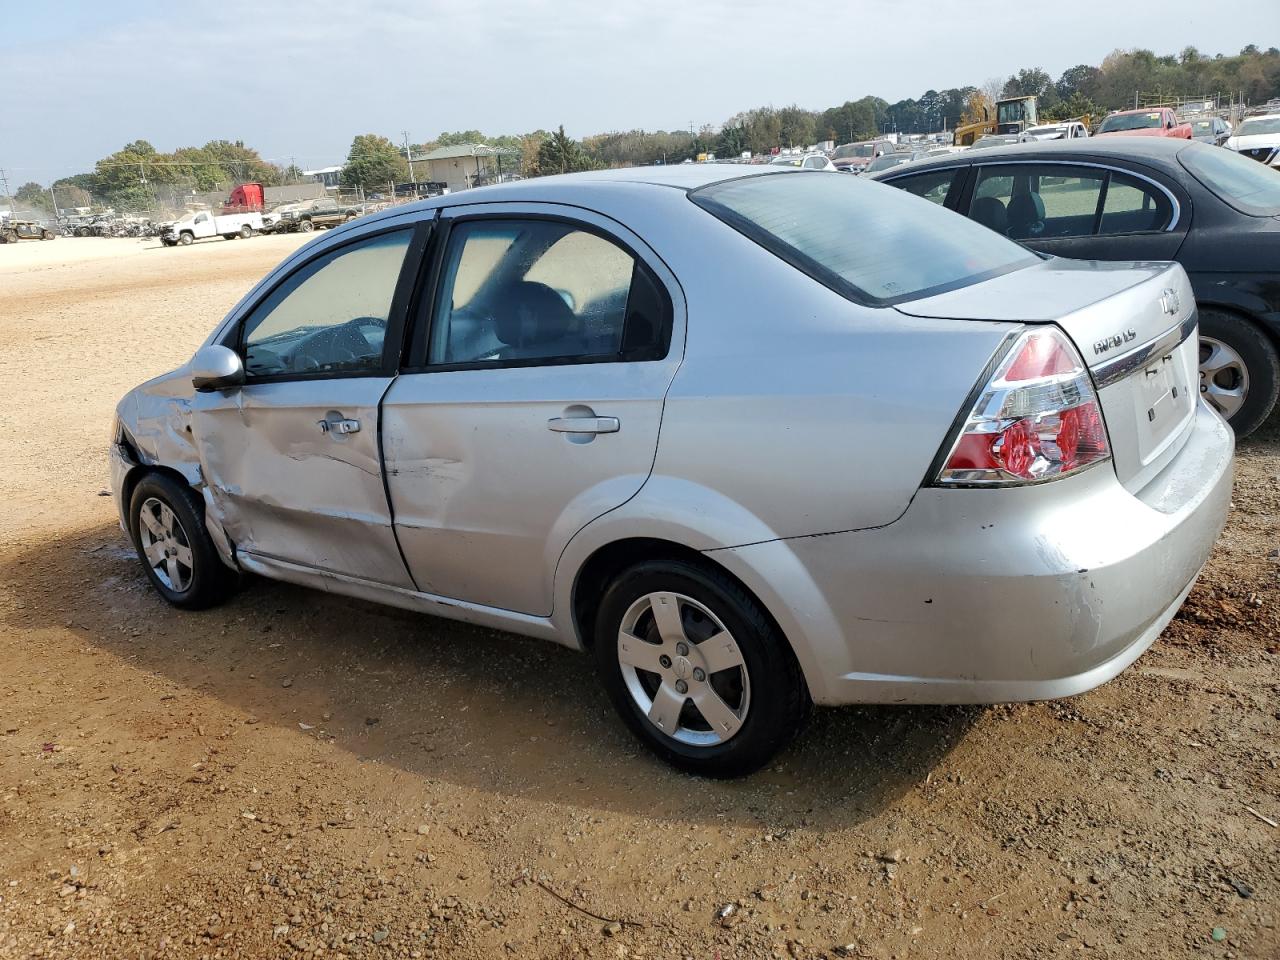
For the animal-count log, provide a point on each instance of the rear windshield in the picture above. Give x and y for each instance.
(867, 241)
(1251, 187)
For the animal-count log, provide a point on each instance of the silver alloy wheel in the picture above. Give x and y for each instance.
(1224, 378)
(165, 544)
(683, 669)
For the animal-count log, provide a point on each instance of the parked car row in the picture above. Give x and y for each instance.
(672, 417)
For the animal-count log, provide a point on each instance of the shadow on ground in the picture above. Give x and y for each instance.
(453, 702)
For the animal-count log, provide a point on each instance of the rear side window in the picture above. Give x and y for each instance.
(865, 240)
(1060, 201)
(1132, 206)
(1247, 185)
(935, 187)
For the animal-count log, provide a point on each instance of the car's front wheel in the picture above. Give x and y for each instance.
(697, 670)
(306, 226)
(1239, 370)
(166, 519)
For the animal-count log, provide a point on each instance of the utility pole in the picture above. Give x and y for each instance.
(54, 198)
(408, 155)
(5, 181)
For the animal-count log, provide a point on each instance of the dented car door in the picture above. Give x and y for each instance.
(291, 457)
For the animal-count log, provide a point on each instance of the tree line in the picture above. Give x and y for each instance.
(136, 175)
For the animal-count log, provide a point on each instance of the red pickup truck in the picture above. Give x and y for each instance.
(1150, 122)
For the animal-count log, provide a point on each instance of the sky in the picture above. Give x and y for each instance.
(81, 78)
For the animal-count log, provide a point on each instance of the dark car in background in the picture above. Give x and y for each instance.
(1214, 211)
(1212, 130)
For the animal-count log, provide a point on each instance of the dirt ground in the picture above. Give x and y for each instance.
(296, 774)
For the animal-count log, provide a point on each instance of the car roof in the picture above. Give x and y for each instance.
(558, 188)
(1139, 149)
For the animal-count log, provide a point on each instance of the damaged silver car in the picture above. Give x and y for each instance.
(756, 439)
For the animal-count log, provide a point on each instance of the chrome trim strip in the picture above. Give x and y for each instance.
(1117, 368)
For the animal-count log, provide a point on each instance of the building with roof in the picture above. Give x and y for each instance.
(465, 165)
(329, 176)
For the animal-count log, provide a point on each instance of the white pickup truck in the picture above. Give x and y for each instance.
(199, 226)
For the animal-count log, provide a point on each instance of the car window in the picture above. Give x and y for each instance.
(1247, 185)
(1133, 206)
(902, 248)
(1039, 202)
(932, 186)
(529, 291)
(330, 316)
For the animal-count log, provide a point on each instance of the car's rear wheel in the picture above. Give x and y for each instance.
(1239, 370)
(697, 670)
(166, 519)
(306, 226)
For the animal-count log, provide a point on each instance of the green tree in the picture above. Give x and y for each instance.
(560, 153)
(33, 195)
(373, 162)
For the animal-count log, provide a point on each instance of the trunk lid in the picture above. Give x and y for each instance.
(1134, 325)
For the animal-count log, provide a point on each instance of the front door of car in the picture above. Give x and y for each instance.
(531, 406)
(1081, 211)
(292, 457)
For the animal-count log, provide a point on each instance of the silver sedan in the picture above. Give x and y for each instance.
(754, 438)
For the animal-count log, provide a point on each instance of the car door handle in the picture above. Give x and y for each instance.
(339, 426)
(584, 425)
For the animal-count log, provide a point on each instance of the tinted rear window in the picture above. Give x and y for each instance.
(865, 240)
(1251, 187)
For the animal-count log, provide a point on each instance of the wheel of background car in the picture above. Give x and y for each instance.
(46, 234)
(166, 521)
(1239, 370)
(697, 670)
(306, 226)
(185, 238)
(246, 232)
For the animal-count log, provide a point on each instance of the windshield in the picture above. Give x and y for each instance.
(854, 150)
(1252, 188)
(1251, 128)
(868, 242)
(1047, 131)
(1130, 121)
(1015, 111)
(786, 161)
(886, 161)
(1202, 128)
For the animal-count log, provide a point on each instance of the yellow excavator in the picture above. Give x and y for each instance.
(1012, 115)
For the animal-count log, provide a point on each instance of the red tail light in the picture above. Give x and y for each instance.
(1037, 419)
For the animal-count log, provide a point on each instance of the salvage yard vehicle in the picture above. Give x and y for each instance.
(670, 416)
(1212, 130)
(1147, 122)
(312, 214)
(1258, 138)
(11, 230)
(854, 157)
(1066, 130)
(806, 161)
(205, 224)
(1124, 199)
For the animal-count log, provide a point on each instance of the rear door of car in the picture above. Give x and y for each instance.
(1080, 209)
(541, 354)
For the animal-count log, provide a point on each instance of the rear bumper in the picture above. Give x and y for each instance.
(985, 596)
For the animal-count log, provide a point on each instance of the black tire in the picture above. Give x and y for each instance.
(1261, 362)
(185, 238)
(210, 581)
(779, 699)
(246, 232)
(46, 234)
(306, 226)
(11, 237)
